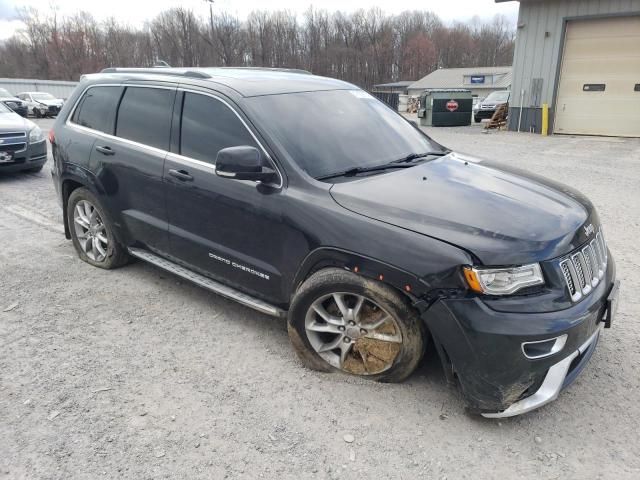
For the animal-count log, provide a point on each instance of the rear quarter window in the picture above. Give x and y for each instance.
(144, 116)
(97, 108)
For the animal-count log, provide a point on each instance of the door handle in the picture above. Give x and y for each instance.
(182, 175)
(105, 150)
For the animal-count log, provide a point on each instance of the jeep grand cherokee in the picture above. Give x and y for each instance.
(305, 197)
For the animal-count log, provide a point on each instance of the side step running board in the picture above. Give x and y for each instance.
(207, 283)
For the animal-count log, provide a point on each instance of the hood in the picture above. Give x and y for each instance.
(11, 121)
(11, 99)
(503, 216)
(53, 102)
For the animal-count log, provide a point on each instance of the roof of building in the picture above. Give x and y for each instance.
(402, 83)
(248, 82)
(454, 78)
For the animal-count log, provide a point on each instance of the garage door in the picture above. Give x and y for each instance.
(599, 90)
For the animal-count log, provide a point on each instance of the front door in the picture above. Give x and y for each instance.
(229, 229)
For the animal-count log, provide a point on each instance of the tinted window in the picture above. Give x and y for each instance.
(332, 131)
(97, 107)
(144, 116)
(208, 126)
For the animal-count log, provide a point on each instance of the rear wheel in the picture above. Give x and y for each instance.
(341, 321)
(92, 231)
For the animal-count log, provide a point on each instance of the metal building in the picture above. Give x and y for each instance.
(57, 88)
(582, 59)
(480, 80)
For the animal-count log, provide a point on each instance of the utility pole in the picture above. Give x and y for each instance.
(210, 2)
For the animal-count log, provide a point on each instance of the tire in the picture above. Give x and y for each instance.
(383, 361)
(108, 255)
(477, 120)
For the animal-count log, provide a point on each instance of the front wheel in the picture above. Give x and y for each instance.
(341, 321)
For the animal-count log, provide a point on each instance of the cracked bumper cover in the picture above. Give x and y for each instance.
(483, 348)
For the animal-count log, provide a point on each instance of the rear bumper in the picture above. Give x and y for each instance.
(484, 348)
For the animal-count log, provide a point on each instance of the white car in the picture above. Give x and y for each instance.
(41, 104)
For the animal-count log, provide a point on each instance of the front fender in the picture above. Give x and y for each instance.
(326, 257)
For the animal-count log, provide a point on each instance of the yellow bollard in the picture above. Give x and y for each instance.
(545, 119)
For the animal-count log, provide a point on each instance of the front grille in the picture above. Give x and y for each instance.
(583, 269)
(15, 147)
(13, 134)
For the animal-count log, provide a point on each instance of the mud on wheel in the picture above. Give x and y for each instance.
(341, 321)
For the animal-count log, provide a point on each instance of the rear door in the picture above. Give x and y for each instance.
(229, 229)
(130, 163)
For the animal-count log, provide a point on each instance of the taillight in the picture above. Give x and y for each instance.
(52, 137)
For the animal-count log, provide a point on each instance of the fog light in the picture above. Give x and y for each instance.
(544, 348)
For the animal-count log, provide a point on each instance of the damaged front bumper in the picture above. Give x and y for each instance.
(486, 350)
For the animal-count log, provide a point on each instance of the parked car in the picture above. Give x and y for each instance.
(13, 102)
(23, 146)
(41, 104)
(305, 197)
(487, 107)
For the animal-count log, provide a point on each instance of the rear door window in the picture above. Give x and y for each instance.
(208, 126)
(144, 116)
(97, 108)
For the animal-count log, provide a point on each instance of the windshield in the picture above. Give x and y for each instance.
(42, 96)
(5, 93)
(332, 131)
(4, 109)
(497, 97)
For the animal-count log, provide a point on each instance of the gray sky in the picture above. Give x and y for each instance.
(136, 12)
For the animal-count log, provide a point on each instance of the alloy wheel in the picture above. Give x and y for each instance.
(353, 333)
(90, 231)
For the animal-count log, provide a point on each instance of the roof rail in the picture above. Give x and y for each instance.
(159, 71)
(269, 69)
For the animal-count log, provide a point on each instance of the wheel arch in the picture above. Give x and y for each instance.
(73, 178)
(407, 283)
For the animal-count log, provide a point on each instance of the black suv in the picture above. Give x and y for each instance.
(306, 197)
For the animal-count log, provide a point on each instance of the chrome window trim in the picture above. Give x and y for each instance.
(174, 156)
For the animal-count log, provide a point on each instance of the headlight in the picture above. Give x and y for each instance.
(36, 135)
(503, 281)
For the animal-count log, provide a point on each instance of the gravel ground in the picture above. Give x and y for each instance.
(134, 374)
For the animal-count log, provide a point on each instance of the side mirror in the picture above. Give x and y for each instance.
(244, 163)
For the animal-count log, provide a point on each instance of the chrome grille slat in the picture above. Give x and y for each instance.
(583, 269)
(577, 264)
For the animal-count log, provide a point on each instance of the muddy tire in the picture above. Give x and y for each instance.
(92, 231)
(340, 321)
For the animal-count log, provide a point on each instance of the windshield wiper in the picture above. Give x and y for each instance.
(403, 162)
(414, 156)
(356, 170)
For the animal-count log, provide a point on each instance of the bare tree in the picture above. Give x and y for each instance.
(363, 47)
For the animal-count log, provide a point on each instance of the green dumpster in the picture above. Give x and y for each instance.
(450, 107)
